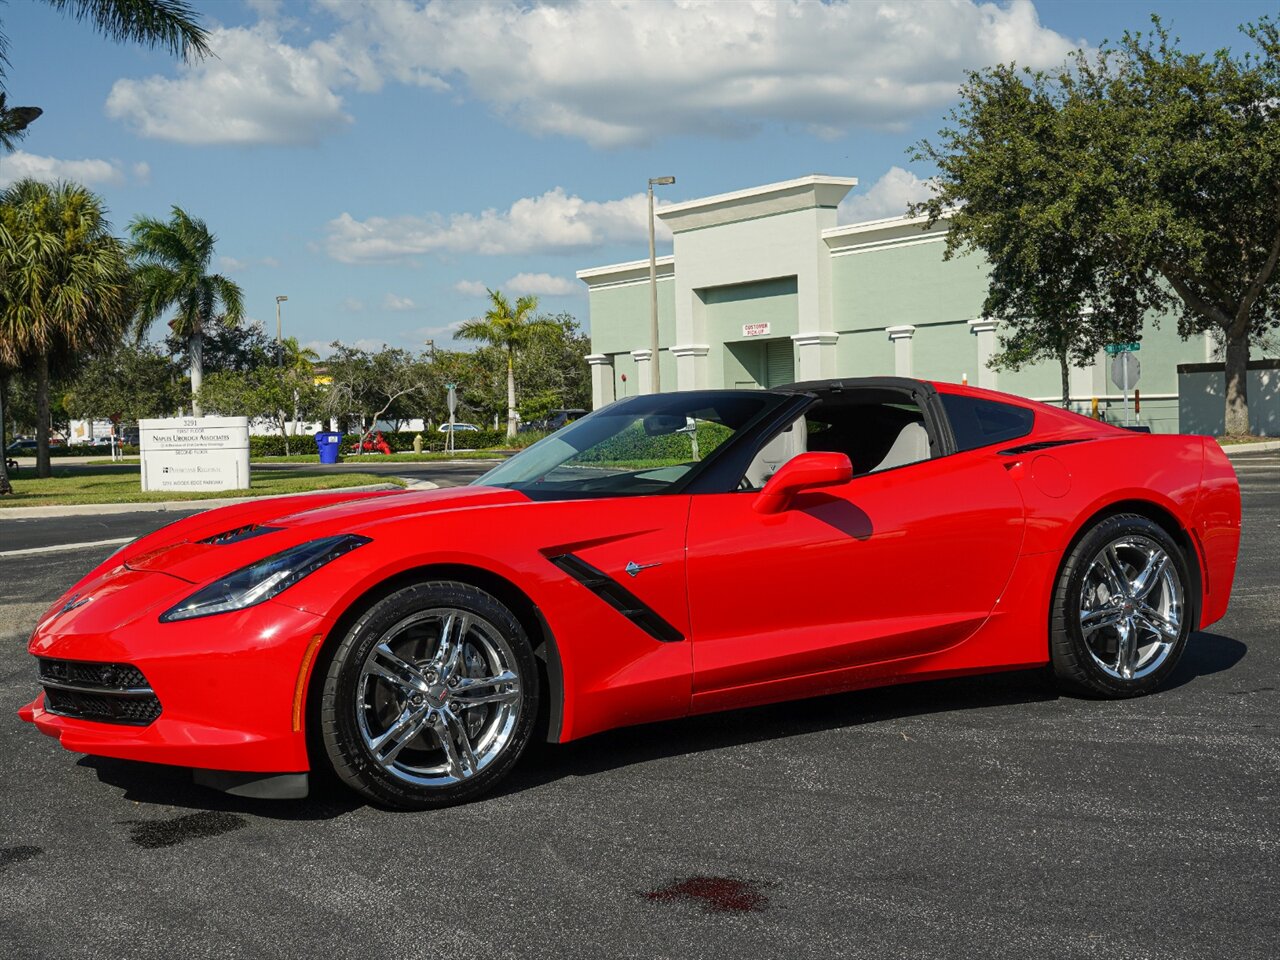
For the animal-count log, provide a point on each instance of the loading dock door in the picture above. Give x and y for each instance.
(761, 363)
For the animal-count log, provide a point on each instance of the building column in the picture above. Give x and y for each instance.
(601, 379)
(901, 339)
(644, 379)
(691, 365)
(985, 330)
(815, 355)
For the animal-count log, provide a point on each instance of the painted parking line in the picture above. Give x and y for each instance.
(61, 547)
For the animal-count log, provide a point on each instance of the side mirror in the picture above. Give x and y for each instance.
(807, 471)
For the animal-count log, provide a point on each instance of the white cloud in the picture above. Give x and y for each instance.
(611, 72)
(142, 172)
(887, 197)
(471, 288)
(554, 221)
(393, 302)
(622, 72)
(257, 89)
(542, 284)
(352, 305)
(236, 263)
(91, 172)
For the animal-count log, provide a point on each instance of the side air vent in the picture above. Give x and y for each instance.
(1041, 445)
(619, 597)
(247, 532)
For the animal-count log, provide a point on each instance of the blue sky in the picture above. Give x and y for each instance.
(380, 163)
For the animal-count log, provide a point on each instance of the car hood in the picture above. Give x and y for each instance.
(230, 538)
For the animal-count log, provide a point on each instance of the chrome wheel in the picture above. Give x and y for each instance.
(438, 697)
(1132, 605)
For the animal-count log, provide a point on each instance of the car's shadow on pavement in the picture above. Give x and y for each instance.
(1207, 654)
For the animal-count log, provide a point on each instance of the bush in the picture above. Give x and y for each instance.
(272, 445)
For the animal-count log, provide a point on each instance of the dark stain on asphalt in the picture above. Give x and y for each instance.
(151, 834)
(713, 894)
(1245, 693)
(10, 855)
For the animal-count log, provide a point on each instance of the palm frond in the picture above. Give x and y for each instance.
(169, 24)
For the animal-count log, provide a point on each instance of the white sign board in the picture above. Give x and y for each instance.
(755, 329)
(195, 454)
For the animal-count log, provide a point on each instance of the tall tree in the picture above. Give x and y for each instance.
(128, 383)
(1170, 185)
(383, 384)
(66, 283)
(173, 260)
(509, 329)
(1007, 185)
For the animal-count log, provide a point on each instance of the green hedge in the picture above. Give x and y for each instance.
(633, 444)
(401, 442)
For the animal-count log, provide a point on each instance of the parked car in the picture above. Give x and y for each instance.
(557, 419)
(457, 427)
(800, 541)
(22, 448)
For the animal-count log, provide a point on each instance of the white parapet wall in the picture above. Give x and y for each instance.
(194, 454)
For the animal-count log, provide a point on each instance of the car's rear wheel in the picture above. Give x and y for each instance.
(1122, 609)
(431, 696)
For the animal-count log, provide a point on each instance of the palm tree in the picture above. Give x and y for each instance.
(64, 284)
(509, 330)
(172, 259)
(170, 24)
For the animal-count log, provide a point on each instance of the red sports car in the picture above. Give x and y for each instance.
(668, 555)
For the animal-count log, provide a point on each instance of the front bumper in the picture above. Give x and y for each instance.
(230, 686)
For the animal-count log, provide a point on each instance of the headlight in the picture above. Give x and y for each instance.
(264, 579)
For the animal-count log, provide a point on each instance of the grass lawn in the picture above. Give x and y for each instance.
(1228, 441)
(123, 484)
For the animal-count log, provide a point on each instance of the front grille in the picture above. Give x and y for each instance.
(106, 692)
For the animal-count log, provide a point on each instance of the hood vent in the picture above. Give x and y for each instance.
(247, 532)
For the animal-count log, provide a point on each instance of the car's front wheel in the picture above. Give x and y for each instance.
(1122, 609)
(430, 697)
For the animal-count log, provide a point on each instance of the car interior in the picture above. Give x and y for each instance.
(877, 430)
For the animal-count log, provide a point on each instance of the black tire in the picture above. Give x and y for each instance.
(1074, 661)
(346, 693)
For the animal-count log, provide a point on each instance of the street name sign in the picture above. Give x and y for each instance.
(1111, 349)
(194, 454)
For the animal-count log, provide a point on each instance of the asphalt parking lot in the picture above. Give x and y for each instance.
(983, 817)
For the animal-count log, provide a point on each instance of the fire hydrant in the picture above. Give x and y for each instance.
(417, 443)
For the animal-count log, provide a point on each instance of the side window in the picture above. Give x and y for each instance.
(980, 423)
(874, 436)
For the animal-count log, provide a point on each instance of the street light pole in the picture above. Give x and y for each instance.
(279, 333)
(655, 377)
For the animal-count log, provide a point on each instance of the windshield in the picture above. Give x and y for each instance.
(644, 445)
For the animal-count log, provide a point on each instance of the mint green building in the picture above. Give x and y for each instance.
(763, 288)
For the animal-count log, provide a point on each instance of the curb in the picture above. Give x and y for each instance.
(165, 506)
(1240, 449)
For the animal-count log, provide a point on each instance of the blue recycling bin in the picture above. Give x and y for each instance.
(330, 445)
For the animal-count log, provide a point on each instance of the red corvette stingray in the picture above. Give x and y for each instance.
(667, 555)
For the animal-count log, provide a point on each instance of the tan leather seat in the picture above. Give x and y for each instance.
(910, 446)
